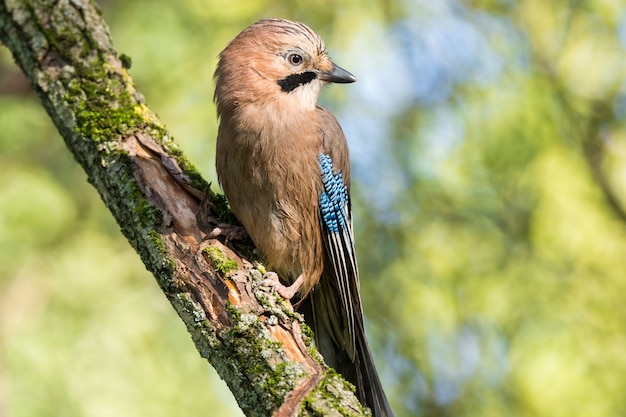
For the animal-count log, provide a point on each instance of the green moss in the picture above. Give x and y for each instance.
(65, 39)
(98, 93)
(329, 394)
(156, 239)
(161, 260)
(108, 113)
(261, 361)
(220, 261)
(191, 172)
(148, 215)
(127, 61)
(307, 332)
(261, 268)
(233, 311)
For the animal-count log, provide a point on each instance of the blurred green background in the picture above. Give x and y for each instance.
(488, 151)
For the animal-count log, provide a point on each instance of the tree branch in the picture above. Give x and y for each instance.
(254, 341)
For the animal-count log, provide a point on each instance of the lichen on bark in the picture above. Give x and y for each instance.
(259, 348)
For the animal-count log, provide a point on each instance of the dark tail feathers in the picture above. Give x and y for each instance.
(369, 389)
(361, 372)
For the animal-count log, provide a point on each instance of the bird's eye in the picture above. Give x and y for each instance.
(295, 59)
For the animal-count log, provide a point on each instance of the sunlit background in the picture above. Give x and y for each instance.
(489, 165)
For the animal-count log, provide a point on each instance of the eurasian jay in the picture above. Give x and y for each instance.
(283, 164)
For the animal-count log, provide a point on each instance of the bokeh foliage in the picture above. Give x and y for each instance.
(488, 148)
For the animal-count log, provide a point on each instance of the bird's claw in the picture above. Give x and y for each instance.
(271, 280)
(229, 231)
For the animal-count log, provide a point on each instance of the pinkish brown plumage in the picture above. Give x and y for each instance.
(284, 167)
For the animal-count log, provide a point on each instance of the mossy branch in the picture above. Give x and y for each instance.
(255, 341)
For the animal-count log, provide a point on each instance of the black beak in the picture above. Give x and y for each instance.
(337, 75)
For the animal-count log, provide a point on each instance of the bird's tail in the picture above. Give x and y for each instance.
(359, 368)
(369, 389)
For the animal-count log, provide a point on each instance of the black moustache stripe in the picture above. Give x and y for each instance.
(293, 81)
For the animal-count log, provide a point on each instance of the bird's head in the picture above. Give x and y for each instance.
(275, 61)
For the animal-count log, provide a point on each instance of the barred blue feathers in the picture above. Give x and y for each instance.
(339, 241)
(334, 198)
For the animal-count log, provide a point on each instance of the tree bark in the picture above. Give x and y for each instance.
(255, 341)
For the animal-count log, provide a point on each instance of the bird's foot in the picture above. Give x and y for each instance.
(272, 281)
(229, 231)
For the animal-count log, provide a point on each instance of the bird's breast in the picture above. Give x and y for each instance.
(269, 171)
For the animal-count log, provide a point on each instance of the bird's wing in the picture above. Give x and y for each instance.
(336, 223)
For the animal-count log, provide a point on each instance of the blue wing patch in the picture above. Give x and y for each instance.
(335, 216)
(334, 198)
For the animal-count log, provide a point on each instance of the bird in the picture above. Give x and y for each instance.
(283, 164)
